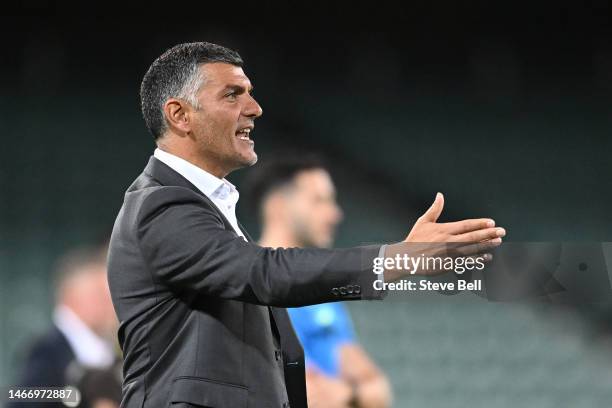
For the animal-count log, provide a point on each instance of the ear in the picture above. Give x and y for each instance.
(177, 113)
(274, 206)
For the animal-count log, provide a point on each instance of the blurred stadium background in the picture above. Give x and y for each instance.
(505, 108)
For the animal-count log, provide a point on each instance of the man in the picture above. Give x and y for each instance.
(200, 305)
(296, 202)
(81, 340)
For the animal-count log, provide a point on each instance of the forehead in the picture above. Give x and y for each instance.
(220, 74)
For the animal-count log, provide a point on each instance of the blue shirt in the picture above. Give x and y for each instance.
(322, 329)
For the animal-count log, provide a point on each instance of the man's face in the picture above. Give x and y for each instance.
(312, 208)
(88, 295)
(221, 127)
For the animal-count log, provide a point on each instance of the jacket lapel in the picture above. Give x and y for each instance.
(166, 176)
(244, 231)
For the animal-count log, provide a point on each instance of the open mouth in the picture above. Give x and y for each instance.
(244, 134)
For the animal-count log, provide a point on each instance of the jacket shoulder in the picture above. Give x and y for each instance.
(147, 197)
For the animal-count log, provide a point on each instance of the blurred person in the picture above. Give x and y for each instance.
(296, 201)
(81, 338)
(100, 388)
(201, 305)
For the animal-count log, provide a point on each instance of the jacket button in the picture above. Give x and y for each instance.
(357, 289)
(278, 355)
(350, 288)
(342, 290)
(335, 291)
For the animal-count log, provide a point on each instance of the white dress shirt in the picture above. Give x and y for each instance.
(220, 191)
(90, 349)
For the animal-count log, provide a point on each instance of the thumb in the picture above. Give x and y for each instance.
(433, 213)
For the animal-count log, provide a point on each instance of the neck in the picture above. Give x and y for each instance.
(278, 238)
(190, 155)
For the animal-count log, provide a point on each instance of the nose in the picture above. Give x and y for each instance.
(252, 108)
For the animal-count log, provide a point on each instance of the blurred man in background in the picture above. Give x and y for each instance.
(79, 348)
(296, 199)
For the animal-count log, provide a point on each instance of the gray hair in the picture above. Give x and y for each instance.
(191, 85)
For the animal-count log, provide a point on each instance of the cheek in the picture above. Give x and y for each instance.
(316, 221)
(325, 222)
(214, 126)
(225, 118)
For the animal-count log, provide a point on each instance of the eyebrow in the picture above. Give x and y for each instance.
(238, 88)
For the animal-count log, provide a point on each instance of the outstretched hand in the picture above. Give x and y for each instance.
(427, 228)
(428, 237)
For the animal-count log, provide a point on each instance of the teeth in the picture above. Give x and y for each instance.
(243, 134)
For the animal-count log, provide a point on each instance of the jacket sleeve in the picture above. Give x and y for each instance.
(187, 248)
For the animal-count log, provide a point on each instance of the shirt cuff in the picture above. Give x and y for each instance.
(381, 254)
(381, 277)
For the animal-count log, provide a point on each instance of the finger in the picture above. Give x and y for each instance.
(472, 249)
(480, 235)
(486, 257)
(461, 227)
(433, 213)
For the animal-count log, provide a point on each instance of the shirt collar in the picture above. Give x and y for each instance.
(210, 185)
(90, 349)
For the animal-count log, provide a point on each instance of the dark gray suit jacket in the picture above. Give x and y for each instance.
(194, 301)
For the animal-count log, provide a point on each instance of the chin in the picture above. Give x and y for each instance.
(243, 161)
(250, 160)
(325, 243)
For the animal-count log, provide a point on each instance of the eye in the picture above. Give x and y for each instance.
(231, 95)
